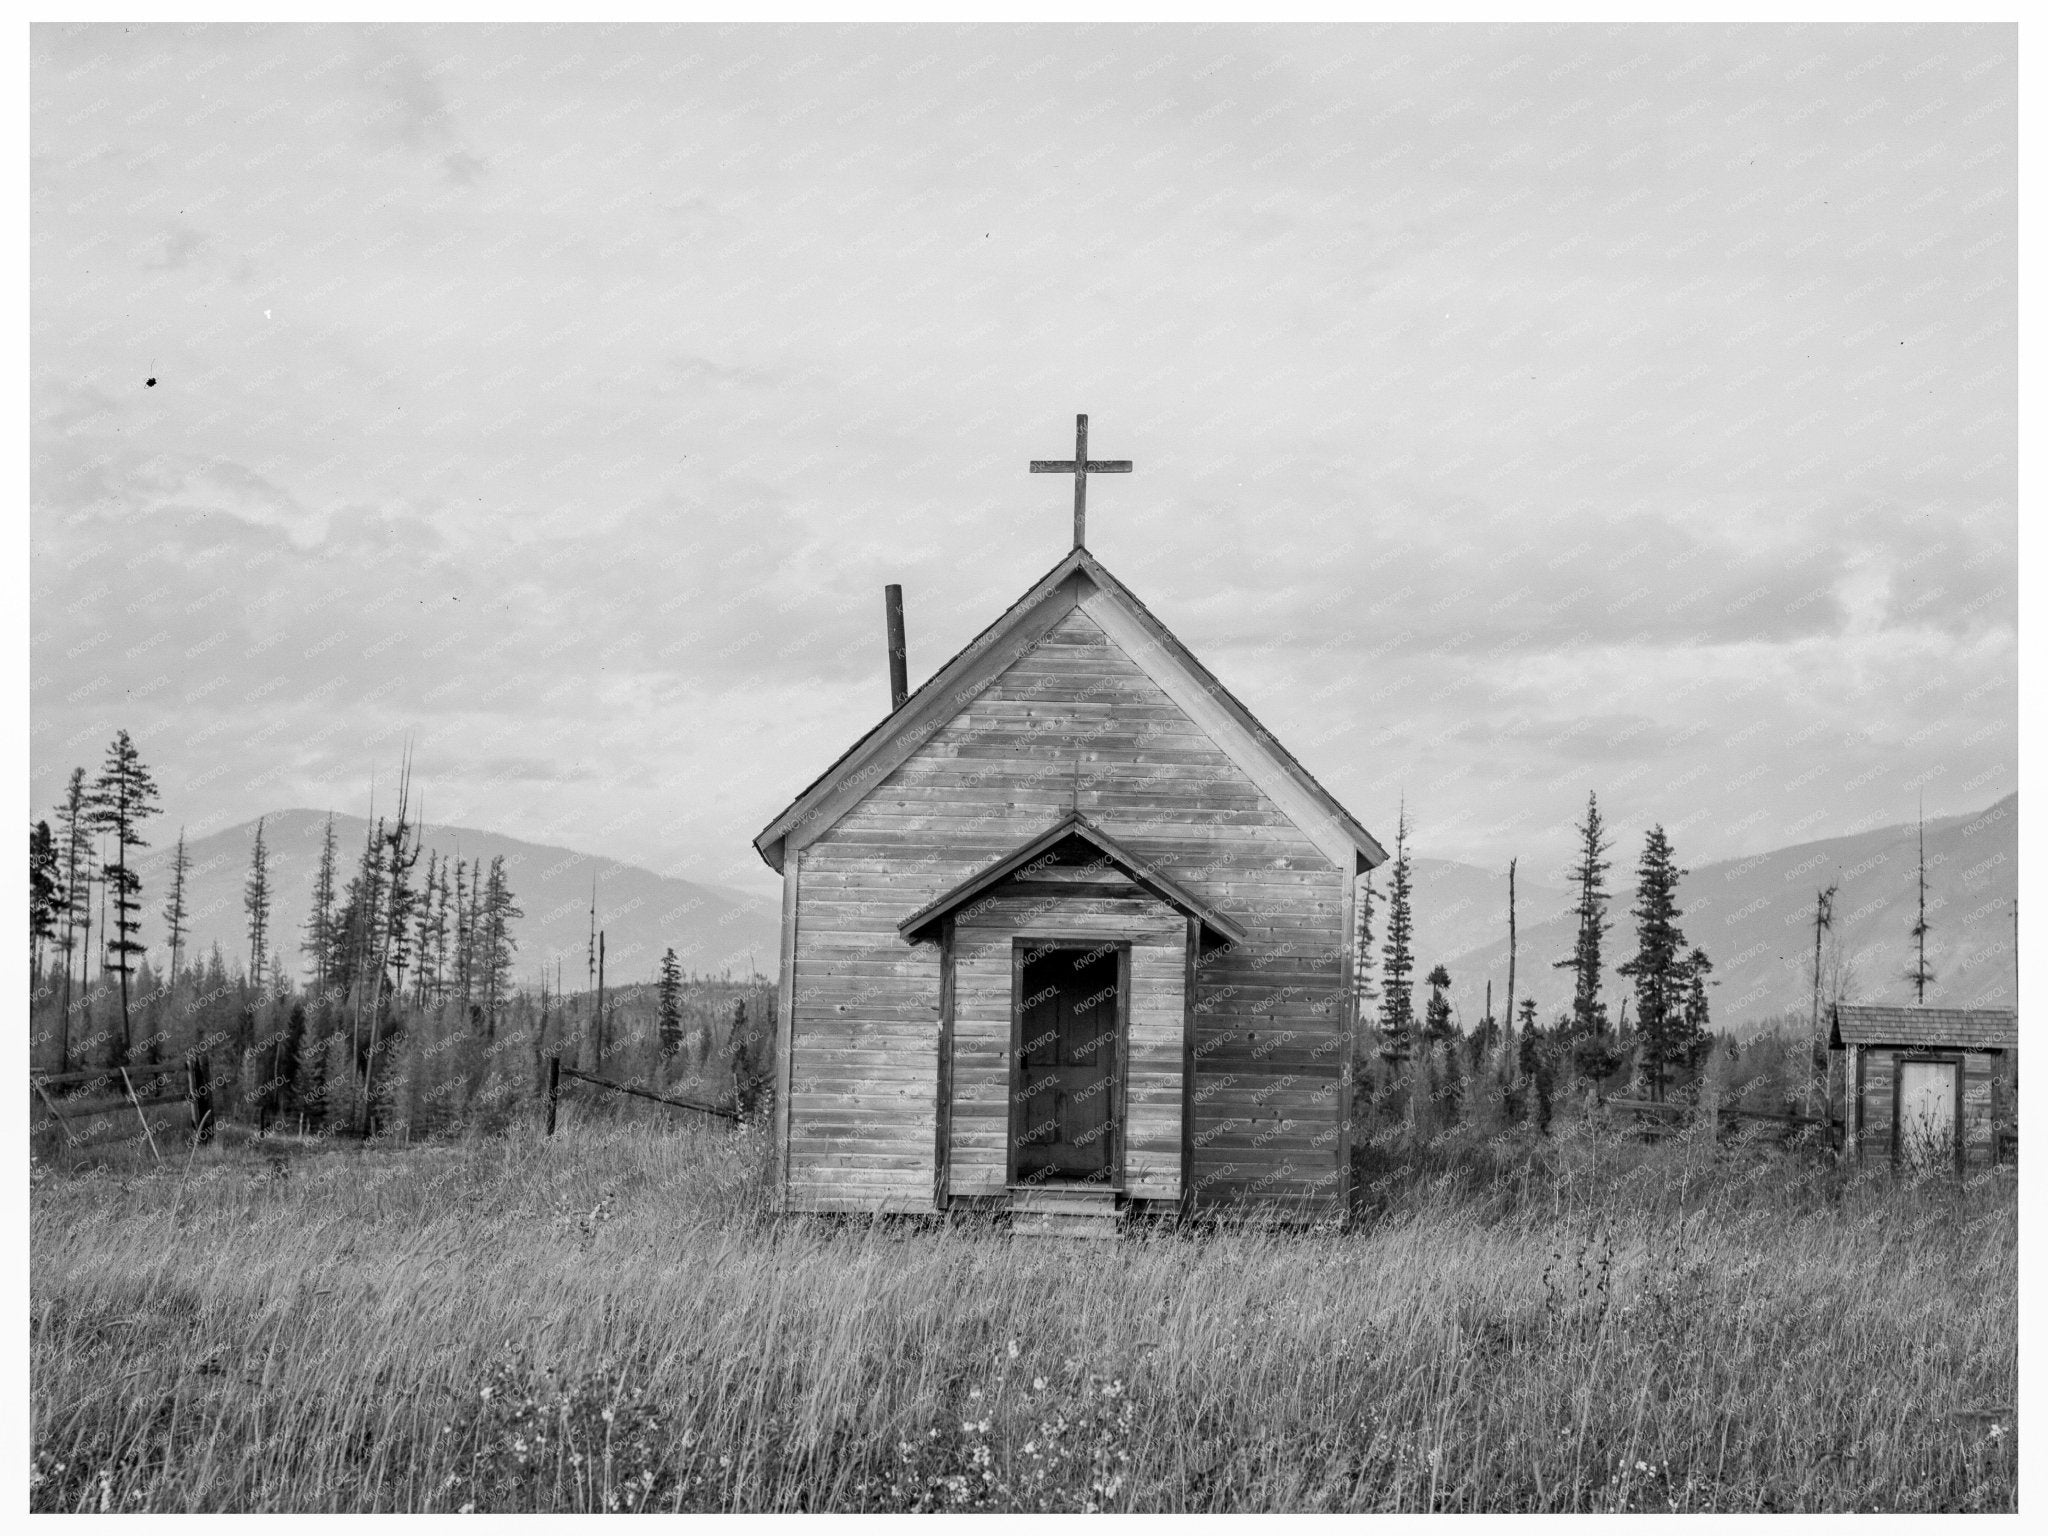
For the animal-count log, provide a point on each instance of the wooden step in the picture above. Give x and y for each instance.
(1046, 1224)
(1063, 1198)
(1064, 1210)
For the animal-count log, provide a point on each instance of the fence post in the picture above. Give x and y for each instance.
(139, 1115)
(199, 1092)
(554, 1089)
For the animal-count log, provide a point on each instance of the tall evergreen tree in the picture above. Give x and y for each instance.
(1509, 1011)
(669, 1006)
(1437, 1028)
(175, 925)
(256, 903)
(423, 938)
(1920, 975)
(1658, 965)
(497, 941)
(319, 940)
(1363, 950)
(44, 894)
(74, 841)
(465, 951)
(399, 853)
(357, 925)
(1697, 1038)
(1397, 1010)
(124, 796)
(441, 935)
(1588, 879)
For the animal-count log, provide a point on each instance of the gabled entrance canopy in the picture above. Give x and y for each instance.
(1056, 849)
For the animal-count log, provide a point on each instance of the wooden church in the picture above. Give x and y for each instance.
(1067, 934)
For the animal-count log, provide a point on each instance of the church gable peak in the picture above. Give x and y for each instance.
(1078, 598)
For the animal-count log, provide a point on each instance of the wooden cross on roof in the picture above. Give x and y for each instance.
(1080, 466)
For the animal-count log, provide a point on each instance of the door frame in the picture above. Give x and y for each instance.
(1020, 944)
(1900, 1061)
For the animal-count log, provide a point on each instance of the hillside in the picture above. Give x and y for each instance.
(1754, 917)
(713, 928)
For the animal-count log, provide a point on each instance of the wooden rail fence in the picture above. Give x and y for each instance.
(67, 1109)
(1717, 1114)
(556, 1072)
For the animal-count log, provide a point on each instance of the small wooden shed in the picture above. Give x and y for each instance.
(1067, 931)
(1920, 1085)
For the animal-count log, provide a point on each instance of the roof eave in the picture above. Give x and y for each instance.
(914, 928)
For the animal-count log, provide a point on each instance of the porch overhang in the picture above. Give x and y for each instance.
(1215, 928)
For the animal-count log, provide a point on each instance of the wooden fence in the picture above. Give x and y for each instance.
(1665, 1117)
(556, 1072)
(67, 1098)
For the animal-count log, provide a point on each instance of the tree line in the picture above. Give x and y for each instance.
(407, 1019)
(1425, 1068)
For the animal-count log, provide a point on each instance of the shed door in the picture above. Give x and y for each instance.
(1063, 1103)
(1927, 1111)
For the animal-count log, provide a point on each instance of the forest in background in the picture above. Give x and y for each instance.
(402, 1010)
(402, 1018)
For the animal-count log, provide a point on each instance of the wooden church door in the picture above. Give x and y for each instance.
(1064, 1089)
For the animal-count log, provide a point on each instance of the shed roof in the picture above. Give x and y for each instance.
(949, 689)
(1971, 1029)
(1144, 874)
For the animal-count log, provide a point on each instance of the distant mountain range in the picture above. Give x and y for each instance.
(1753, 916)
(714, 929)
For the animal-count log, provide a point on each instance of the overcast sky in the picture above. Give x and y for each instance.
(1516, 411)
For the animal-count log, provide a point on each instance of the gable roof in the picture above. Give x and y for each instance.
(1079, 579)
(1145, 875)
(1971, 1029)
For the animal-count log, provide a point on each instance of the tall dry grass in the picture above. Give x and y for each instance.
(614, 1320)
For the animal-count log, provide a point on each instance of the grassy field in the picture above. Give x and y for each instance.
(615, 1321)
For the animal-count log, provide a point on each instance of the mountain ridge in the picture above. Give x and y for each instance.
(1753, 915)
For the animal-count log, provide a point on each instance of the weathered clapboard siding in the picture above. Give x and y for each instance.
(1983, 1072)
(1266, 1015)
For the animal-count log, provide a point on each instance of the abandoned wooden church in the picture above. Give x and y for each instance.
(1068, 933)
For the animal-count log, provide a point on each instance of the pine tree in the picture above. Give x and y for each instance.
(1363, 951)
(669, 1006)
(44, 894)
(1397, 1012)
(1658, 966)
(1696, 1039)
(74, 841)
(1591, 1043)
(423, 938)
(441, 934)
(174, 908)
(123, 797)
(319, 941)
(1436, 1013)
(497, 942)
(1920, 975)
(256, 903)
(464, 950)
(399, 854)
(356, 927)
(1509, 1011)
